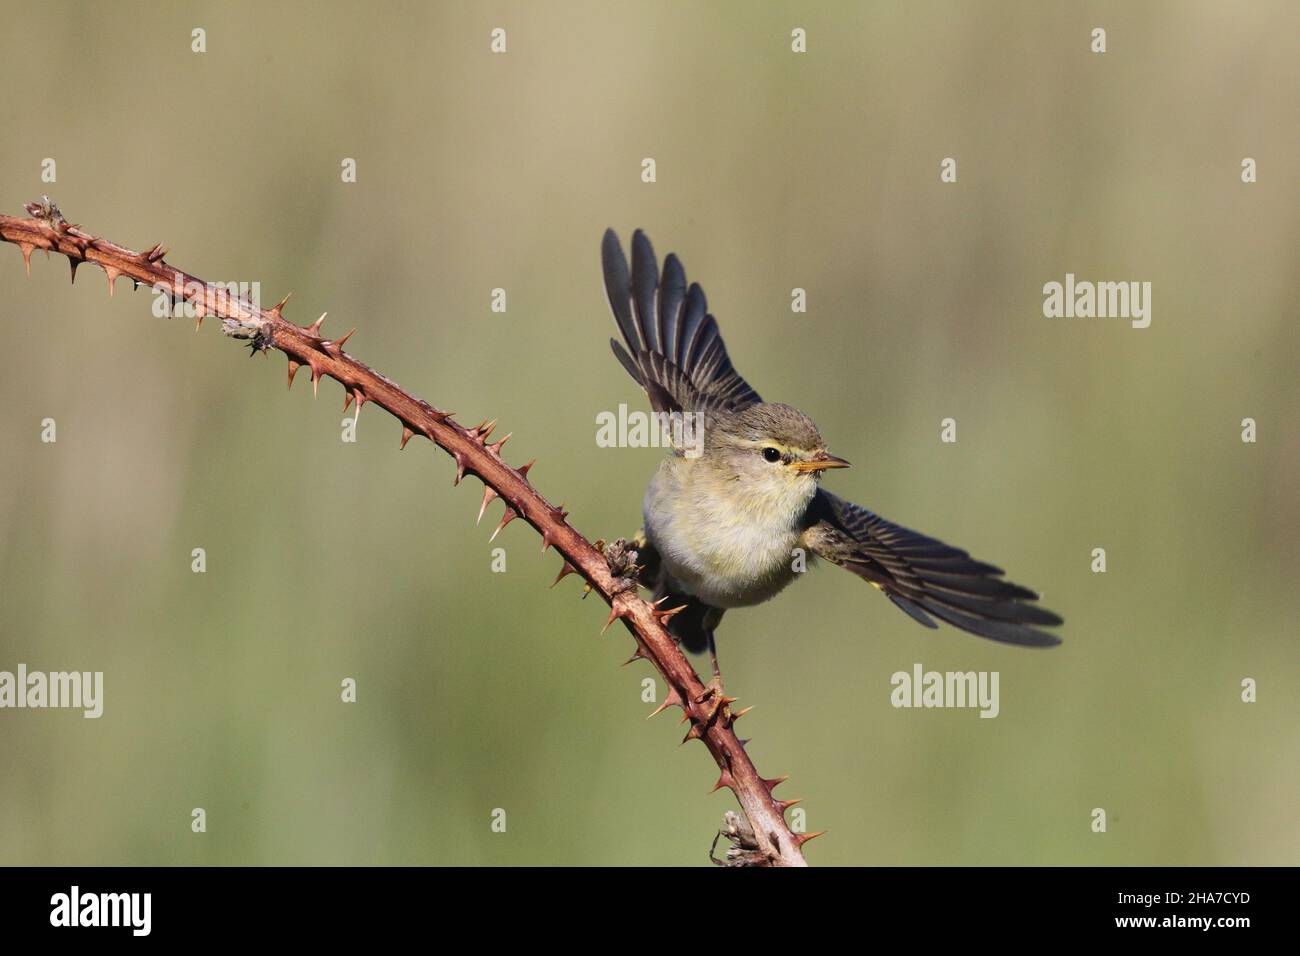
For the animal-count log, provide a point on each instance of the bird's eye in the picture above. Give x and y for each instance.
(771, 454)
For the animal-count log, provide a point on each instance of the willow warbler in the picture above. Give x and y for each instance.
(727, 527)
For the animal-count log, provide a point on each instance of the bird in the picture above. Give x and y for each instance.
(725, 527)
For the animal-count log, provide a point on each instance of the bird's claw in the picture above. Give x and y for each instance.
(718, 702)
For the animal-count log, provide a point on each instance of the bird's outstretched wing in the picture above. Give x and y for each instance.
(926, 577)
(671, 345)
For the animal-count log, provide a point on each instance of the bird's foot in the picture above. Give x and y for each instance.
(718, 701)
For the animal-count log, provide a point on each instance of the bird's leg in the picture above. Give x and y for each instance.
(715, 685)
(713, 690)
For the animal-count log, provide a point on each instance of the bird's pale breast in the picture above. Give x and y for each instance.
(717, 542)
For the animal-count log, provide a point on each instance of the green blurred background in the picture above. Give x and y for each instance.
(479, 690)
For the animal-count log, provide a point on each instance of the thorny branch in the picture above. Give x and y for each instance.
(767, 840)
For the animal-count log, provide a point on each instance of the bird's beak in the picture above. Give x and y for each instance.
(819, 462)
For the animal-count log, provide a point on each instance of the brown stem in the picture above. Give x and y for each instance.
(264, 329)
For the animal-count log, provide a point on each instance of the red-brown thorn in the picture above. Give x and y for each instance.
(510, 515)
(564, 571)
(488, 494)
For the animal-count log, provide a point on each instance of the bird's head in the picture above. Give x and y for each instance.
(771, 447)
